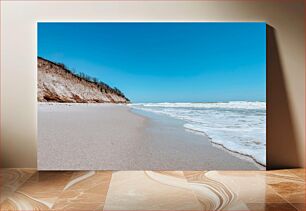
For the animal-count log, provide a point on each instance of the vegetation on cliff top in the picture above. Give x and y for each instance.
(104, 88)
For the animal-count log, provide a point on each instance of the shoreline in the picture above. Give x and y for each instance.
(115, 137)
(238, 155)
(232, 152)
(215, 143)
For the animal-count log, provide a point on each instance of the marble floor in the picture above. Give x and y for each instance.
(28, 189)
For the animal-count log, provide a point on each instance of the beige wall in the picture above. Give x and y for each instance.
(285, 73)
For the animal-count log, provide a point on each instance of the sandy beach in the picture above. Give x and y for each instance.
(117, 137)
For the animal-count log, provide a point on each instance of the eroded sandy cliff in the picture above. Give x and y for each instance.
(57, 84)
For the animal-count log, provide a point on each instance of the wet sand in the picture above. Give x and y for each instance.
(116, 137)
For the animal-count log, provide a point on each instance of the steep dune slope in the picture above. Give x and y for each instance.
(57, 84)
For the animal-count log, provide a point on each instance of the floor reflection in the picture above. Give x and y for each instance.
(27, 189)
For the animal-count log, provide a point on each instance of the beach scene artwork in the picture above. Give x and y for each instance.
(151, 96)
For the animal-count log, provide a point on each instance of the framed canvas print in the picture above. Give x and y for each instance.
(151, 96)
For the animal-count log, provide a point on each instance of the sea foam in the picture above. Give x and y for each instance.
(238, 126)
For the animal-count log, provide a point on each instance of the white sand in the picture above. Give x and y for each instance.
(111, 137)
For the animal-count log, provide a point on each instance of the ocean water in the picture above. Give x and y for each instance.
(238, 126)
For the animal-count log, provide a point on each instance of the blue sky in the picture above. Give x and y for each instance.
(164, 62)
